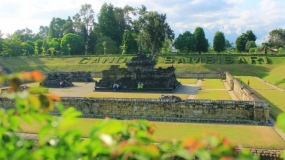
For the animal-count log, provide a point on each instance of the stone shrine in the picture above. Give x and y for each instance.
(57, 80)
(139, 76)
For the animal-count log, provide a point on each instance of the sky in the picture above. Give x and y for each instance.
(232, 17)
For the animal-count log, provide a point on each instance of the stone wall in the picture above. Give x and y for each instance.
(241, 90)
(201, 75)
(220, 111)
(198, 75)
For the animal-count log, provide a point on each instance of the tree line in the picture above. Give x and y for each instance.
(122, 30)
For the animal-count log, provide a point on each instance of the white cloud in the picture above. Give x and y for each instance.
(232, 17)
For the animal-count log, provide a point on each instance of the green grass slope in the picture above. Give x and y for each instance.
(271, 72)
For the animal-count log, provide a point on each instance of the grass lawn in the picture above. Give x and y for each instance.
(212, 84)
(268, 93)
(254, 82)
(213, 95)
(275, 98)
(247, 136)
(130, 95)
(186, 80)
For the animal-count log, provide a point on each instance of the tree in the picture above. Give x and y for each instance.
(186, 42)
(56, 29)
(27, 48)
(243, 39)
(55, 43)
(39, 44)
(68, 26)
(166, 47)
(154, 29)
(92, 41)
(106, 45)
(249, 45)
(129, 39)
(43, 32)
(250, 36)
(240, 43)
(219, 42)
(107, 23)
(25, 34)
(202, 42)
(85, 19)
(76, 44)
(12, 45)
(277, 38)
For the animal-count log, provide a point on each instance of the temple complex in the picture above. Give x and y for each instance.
(139, 76)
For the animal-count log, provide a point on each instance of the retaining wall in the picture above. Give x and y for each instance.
(222, 111)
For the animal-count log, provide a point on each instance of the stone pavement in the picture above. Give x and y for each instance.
(81, 89)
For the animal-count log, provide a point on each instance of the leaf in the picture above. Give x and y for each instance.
(37, 76)
(35, 102)
(281, 121)
(54, 97)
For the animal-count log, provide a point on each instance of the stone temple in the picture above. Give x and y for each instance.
(140, 70)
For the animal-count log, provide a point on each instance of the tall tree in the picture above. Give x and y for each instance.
(186, 42)
(68, 26)
(277, 38)
(154, 29)
(1, 41)
(129, 40)
(243, 39)
(249, 45)
(107, 22)
(43, 32)
(250, 36)
(240, 43)
(74, 41)
(25, 34)
(106, 41)
(202, 42)
(85, 20)
(12, 45)
(56, 28)
(219, 42)
(92, 41)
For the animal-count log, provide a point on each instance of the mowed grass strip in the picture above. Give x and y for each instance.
(276, 100)
(247, 136)
(186, 80)
(212, 84)
(213, 95)
(268, 93)
(254, 82)
(130, 95)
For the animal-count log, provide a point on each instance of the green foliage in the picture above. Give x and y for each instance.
(242, 40)
(202, 42)
(84, 60)
(252, 50)
(76, 44)
(129, 40)
(154, 29)
(168, 60)
(110, 46)
(277, 38)
(249, 45)
(280, 50)
(12, 45)
(55, 43)
(186, 42)
(219, 42)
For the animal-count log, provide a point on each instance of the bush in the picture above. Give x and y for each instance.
(110, 139)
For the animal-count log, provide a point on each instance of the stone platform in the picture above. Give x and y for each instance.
(143, 90)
